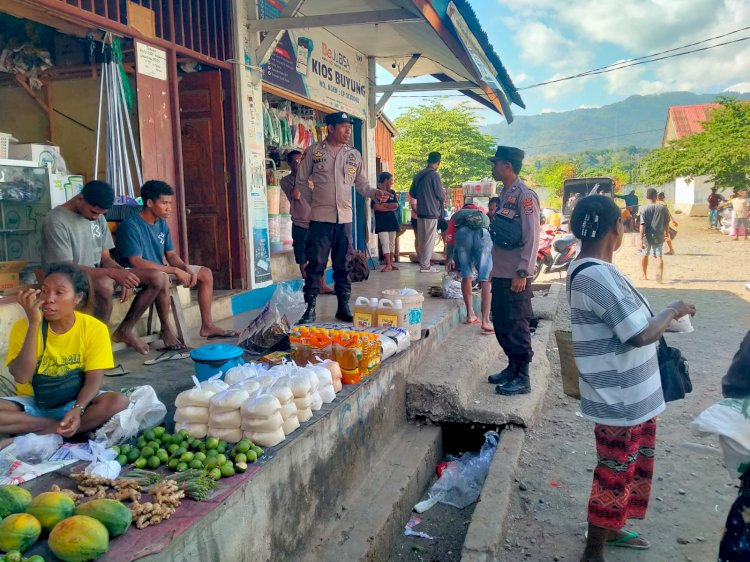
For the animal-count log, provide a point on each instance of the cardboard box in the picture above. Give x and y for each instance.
(10, 274)
(38, 153)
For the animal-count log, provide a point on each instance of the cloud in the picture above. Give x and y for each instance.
(741, 88)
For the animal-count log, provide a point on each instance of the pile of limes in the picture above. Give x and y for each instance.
(179, 452)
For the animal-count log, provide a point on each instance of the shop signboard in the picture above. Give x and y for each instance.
(316, 65)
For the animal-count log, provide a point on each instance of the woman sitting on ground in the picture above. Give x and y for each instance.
(57, 357)
(614, 343)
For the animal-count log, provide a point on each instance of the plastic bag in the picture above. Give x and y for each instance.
(730, 420)
(269, 331)
(452, 286)
(102, 459)
(461, 481)
(144, 412)
(33, 449)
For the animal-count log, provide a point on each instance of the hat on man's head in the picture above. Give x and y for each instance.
(99, 194)
(508, 154)
(433, 158)
(338, 118)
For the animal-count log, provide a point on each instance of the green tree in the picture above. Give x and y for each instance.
(453, 132)
(721, 150)
(549, 178)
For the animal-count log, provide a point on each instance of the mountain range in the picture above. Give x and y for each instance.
(635, 121)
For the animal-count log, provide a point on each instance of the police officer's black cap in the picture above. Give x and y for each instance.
(508, 154)
(338, 118)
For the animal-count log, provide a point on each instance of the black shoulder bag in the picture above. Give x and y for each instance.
(54, 391)
(674, 369)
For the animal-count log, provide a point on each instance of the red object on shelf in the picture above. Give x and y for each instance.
(440, 468)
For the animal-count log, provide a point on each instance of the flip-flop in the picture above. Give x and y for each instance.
(623, 541)
(167, 356)
(488, 332)
(117, 371)
(225, 335)
(174, 347)
(475, 321)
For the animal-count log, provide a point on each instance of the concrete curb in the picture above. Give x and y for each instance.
(486, 533)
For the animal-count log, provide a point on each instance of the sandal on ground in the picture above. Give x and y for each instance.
(475, 321)
(117, 371)
(167, 356)
(223, 336)
(488, 332)
(624, 541)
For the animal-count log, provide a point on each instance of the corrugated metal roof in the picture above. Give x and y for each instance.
(686, 120)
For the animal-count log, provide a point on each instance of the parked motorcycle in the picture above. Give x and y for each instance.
(556, 250)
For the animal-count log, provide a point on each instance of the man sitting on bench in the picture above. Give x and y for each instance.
(144, 242)
(76, 232)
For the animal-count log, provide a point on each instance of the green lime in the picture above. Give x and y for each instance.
(122, 459)
(258, 450)
(35, 558)
(183, 434)
(140, 442)
(200, 456)
(116, 449)
(212, 443)
(181, 467)
(141, 462)
(221, 460)
(196, 464)
(154, 444)
(147, 452)
(159, 431)
(211, 453)
(154, 462)
(125, 449)
(172, 448)
(240, 467)
(251, 456)
(211, 463)
(133, 455)
(243, 446)
(173, 464)
(194, 443)
(148, 435)
(240, 457)
(163, 455)
(214, 474)
(13, 556)
(166, 438)
(187, 456)
(227, 470)
(180, 451)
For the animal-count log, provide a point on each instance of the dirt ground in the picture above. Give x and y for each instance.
(692, 491)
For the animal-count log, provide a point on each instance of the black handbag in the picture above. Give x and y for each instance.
(52, 392)
(506, 232)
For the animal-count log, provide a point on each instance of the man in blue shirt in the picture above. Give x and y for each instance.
(144, 241)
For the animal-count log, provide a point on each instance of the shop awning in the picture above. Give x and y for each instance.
(439, 39)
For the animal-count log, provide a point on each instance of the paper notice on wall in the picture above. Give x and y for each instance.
(151, 61)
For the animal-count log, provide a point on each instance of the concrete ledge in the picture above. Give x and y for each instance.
(486, 533)
(452, 384)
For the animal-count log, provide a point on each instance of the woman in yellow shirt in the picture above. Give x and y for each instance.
(57, 357)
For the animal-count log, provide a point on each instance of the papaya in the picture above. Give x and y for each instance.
(51, 508)
(13, 499)
(19, 531)
(111, 513)
(79, 538)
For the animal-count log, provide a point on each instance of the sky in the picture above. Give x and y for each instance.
(541, 40)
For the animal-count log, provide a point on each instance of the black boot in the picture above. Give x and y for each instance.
(343, 312)
(519, 384)
(309, 316)
(505, 375)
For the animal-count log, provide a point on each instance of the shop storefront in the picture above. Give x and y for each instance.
(179, 106)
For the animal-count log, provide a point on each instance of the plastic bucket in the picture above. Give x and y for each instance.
(412, 310)
(210, 359)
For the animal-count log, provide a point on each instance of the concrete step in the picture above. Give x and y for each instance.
(375, 511)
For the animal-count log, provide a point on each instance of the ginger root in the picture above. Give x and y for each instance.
(167, 496)
(92, 485)
(126, 490)
(70, 493)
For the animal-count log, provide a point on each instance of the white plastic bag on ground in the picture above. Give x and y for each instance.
(33, 449)
(102, 459)
(462, 481)
(144, 412)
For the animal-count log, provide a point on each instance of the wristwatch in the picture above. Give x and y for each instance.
(522, 274)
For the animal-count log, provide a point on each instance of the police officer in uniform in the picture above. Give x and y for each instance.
(512, 263)
(333, 166)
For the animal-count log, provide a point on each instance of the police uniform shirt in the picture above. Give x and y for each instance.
(332, 174)
(518, 198)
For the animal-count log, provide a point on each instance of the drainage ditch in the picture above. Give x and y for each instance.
(446, 524)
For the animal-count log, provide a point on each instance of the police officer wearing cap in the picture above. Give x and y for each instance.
(515, 232)
(333, 166)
